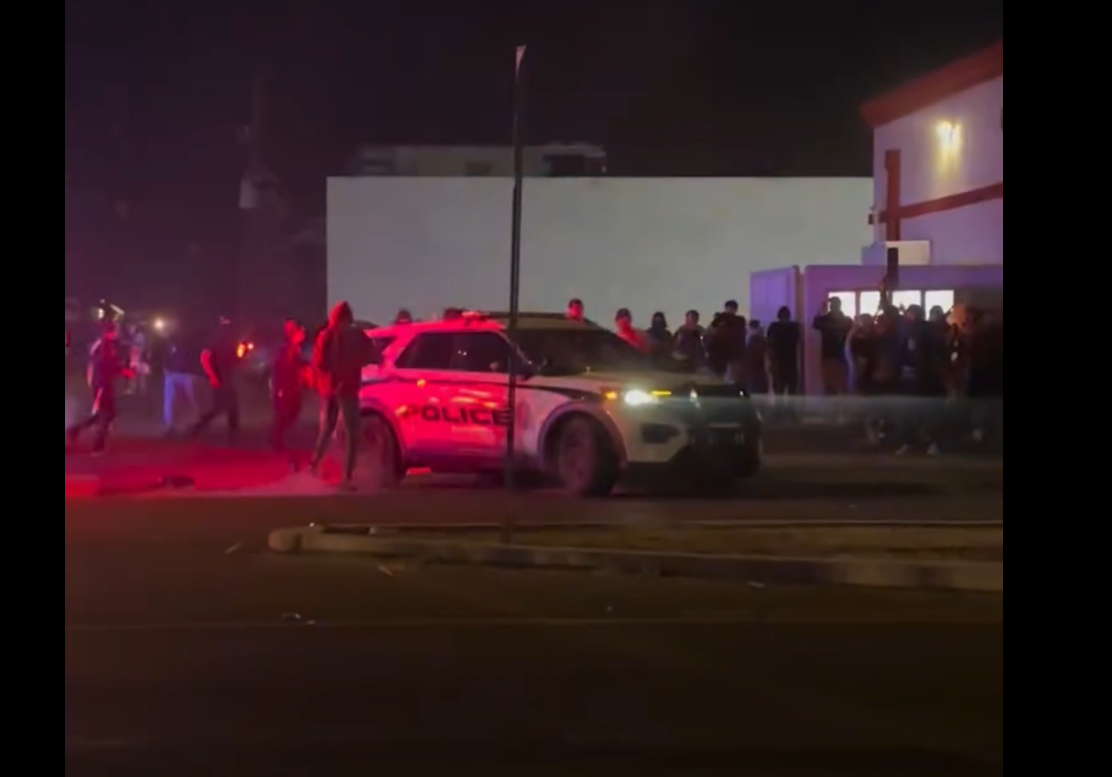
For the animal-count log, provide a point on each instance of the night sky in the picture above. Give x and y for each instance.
(155, 92)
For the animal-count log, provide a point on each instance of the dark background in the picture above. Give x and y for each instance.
(156, 93)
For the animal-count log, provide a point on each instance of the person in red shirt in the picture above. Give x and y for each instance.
(339, 355)
(623, 325)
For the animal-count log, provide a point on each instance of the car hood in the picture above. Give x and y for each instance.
(647, 381)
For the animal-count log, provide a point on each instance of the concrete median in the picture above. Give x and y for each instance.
(463, 548)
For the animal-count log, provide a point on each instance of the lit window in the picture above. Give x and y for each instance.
(870, 302)
(941, 298)
(906, 298)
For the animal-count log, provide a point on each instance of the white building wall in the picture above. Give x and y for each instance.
(448, 161)
(932, 168)
(648, 244)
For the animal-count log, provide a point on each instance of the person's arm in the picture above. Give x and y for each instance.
(209, 366)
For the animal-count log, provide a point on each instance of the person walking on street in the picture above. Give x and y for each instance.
(339, 355)
(219, 361)
(105, 368)
(288, 376)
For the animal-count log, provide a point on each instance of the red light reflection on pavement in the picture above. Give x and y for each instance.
(140, 466)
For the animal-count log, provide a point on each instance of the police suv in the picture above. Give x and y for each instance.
(590, 409)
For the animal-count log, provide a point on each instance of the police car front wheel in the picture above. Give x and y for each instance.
(582, 457)
(382, 451)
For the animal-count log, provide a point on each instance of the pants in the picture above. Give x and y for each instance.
(176, 383)
(287, 412)
(224, 402)
(101, 417)
(735, 372)
(332, 409)
(785, 379)
(835, 376)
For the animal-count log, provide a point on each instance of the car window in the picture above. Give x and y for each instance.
(432, 351)
(380, 344)
(480, 352)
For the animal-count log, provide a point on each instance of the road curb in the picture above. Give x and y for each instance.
(877, 573)
(725, 523)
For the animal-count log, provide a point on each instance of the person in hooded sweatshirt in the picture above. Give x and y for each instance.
(339, 355)
(659, 338)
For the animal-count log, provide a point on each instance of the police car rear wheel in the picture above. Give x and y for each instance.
(384, 458)
(583, 458)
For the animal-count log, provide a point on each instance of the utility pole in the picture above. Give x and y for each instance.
(251, 205)
(515, 284)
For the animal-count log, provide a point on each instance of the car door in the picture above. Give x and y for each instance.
(420, 372)
(477, 404)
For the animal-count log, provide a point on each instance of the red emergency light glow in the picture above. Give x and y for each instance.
(243, 349)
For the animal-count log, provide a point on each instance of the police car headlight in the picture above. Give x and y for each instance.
(637, 397)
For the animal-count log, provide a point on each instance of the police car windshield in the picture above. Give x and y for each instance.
(576, 351)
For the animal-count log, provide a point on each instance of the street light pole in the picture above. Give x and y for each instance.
(513, 363)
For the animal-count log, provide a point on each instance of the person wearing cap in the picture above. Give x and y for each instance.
(623, 326)
(105, 366)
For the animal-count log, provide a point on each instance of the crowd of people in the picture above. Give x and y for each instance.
(924, 376)
(333, 369)
(939, 358)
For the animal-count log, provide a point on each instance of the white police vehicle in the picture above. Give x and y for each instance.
(590, 409)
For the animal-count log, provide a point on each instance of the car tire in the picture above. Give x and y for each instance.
(582, 457)
(381, 458)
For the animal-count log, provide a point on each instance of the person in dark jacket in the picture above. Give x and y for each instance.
(289, 374)
(105, 367)
(726, 343)
(756, 360)
(220, 362)
(689, 345)
(784, 338)
(659, 338)
(339, 355)
(922, 379)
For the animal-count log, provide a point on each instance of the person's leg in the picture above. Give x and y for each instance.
(329, 415)
(231, 408)
(105, 415)
(349, 408)
(170, 384)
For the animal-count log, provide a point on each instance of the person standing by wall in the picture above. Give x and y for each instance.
(756, 361)
(784, 338)
(833, 327)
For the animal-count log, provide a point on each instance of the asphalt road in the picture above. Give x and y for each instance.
(791, 488)
(197, 658)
